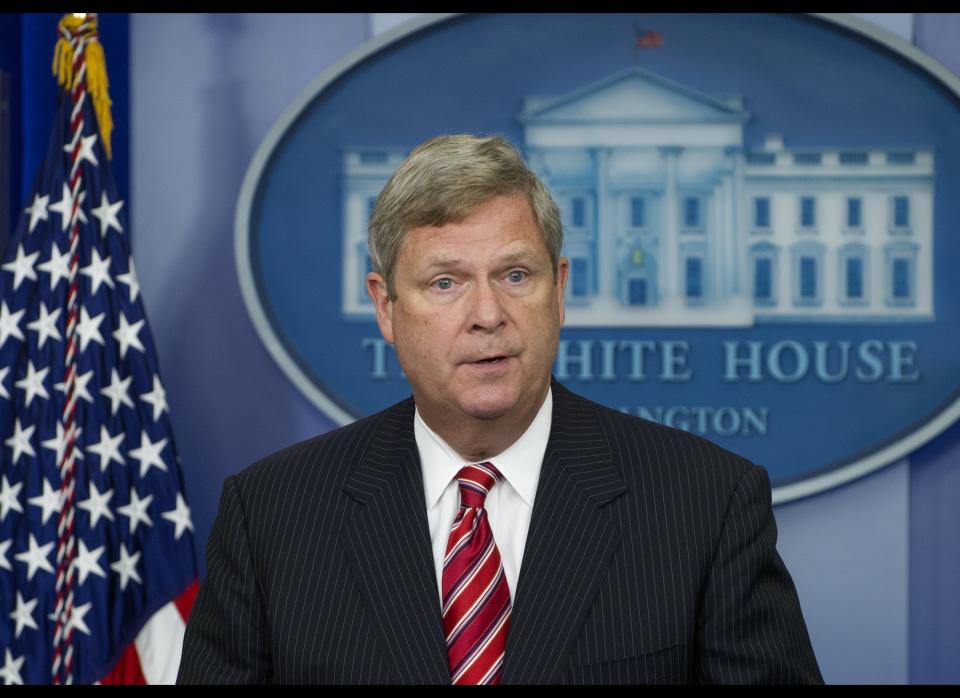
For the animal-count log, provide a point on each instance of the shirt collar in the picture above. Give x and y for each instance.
(519, 464)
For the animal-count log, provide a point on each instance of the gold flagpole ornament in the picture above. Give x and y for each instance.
(78, 34)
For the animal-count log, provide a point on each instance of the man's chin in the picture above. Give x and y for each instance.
(490, 406)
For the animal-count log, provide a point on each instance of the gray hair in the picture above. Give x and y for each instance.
(442, 181)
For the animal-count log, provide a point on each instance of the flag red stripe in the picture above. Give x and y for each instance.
(184, 602)
(127, 670)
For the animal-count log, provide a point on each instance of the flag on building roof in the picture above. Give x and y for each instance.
(646, 38)
(97, 558)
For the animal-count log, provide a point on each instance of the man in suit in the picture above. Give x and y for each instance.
(494, 527)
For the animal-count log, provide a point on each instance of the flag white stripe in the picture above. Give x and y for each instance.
(159, 645)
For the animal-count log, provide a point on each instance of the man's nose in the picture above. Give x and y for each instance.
(487, 307)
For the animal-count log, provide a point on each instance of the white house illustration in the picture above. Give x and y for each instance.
(670, 221)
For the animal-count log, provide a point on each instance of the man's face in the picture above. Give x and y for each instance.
(477, 313)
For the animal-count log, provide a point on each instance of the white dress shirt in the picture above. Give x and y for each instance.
(509, 504)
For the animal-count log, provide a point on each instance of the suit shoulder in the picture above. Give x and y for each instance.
(328, 455)
(665, 446)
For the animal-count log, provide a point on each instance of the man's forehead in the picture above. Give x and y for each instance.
(511, 253)
(507, 222)
(514, 204)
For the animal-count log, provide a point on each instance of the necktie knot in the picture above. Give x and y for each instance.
(476, 481)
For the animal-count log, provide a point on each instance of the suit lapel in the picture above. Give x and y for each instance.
(569, 546)
(388, 545)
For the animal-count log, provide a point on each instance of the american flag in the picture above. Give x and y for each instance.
(646, 38)
(97, 558)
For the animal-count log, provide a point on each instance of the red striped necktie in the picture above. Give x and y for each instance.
(476, 599)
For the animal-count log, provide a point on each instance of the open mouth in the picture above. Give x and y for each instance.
(494, 360)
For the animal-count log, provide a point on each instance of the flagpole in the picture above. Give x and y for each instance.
(78, 30)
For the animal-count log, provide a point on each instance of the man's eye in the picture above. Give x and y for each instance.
(516, 276)
(443, 284)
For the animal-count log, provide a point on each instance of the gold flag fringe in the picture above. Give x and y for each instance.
(96, 73)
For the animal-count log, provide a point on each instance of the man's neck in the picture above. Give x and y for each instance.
(480, 439)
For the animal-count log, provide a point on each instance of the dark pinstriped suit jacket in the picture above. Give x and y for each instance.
(650, 558)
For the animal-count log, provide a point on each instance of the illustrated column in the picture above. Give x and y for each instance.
(669, 271)
(738, 247)
(605, 233)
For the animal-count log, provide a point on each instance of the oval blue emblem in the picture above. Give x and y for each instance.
(757, 213)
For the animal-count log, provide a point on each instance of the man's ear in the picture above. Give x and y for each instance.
(377, 289)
